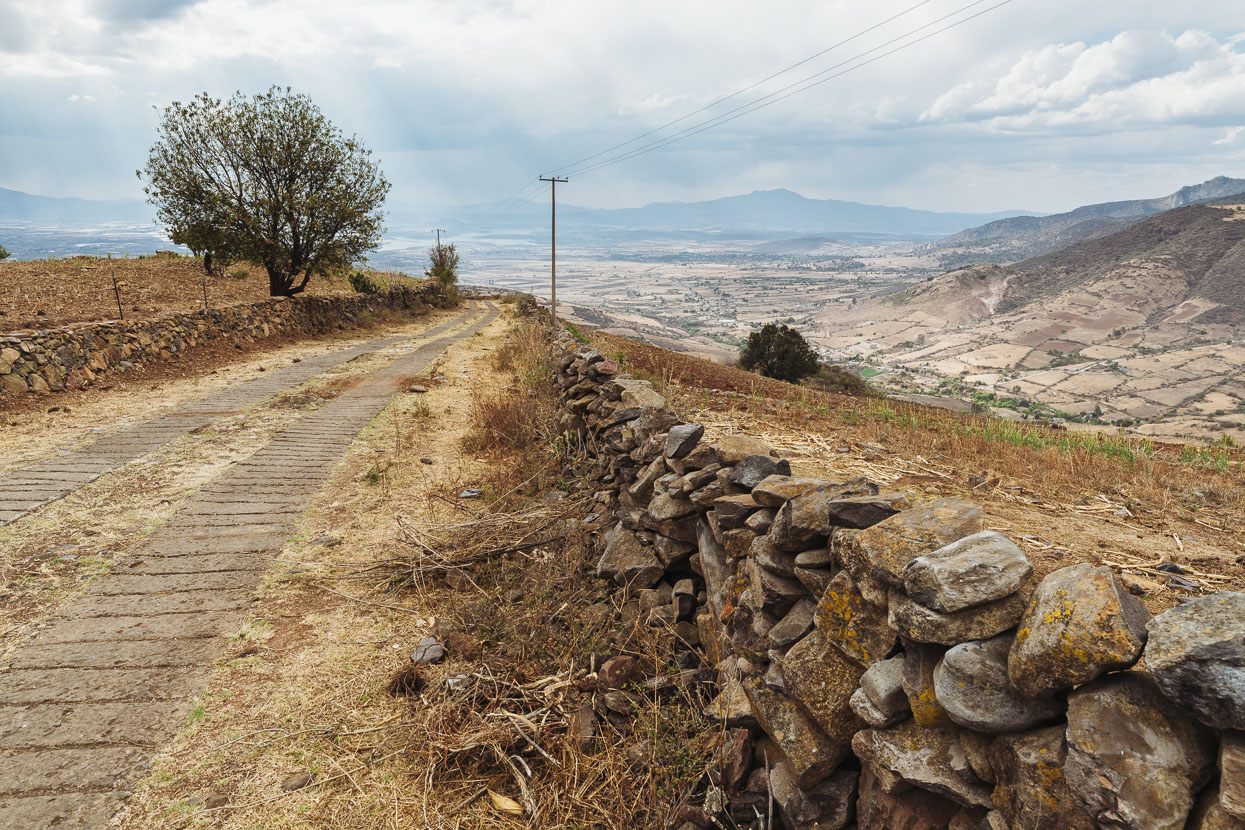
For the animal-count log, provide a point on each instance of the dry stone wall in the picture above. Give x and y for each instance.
(72, 357)
(885, 662)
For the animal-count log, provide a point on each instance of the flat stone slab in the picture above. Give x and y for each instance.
(64, 811)
(46, 725)
(196, 563)
(161, 583)
(117, 654)
(111, 605)
(25, 686)
(80, 768)
(158, 627)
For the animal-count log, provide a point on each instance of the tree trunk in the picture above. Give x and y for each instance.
(278, 283)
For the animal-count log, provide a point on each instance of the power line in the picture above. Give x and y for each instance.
(748, 88)
(803, 84)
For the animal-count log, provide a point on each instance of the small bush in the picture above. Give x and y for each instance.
(363, 283)
(4, 253)
(779, 352)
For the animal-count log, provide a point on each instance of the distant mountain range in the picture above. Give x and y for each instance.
(1021, 237)
(760, 215)
(23, 208)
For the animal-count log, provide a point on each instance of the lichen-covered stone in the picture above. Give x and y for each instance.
(1080, 623)
(920, 660)
(868, 711)
(1134, 762)
(927, 758)
(972, 685)
(811, 754)
(970, 571)
(887, 547)
(1031, 791)
(857, 628)
(882, 683)
(1196, 652)
(925, 625)
(821, 680)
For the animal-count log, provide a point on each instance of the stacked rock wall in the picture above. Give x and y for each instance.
(885, 662)
(73, 356)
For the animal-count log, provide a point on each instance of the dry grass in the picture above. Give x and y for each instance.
(44, 293)
(504, 581)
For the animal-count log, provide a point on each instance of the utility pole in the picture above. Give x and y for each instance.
(553, 247)
(438, 232)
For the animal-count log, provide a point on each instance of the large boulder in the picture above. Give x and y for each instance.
(972, 685)
(774, 490)
(821, 680)
(970, 571)
(857, 628)
(811, 754)
(1196, 652)
(925, 625)
(1134, 762)
(1031, 792)
(911, 755)
(887, 547)
(735, 448)
(1080, 623)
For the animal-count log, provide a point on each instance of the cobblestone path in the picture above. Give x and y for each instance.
(33, 486)
(93, 692)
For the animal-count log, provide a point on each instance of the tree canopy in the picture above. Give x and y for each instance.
(4, 252)
(443, 267)
(778, 351)
(267, 179)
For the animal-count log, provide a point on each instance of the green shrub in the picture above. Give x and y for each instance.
(780, 352)
(364, 284)
(4, 253)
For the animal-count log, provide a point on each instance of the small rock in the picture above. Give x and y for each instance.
(971, 571)
(816, 558)
(774, 490)
(1134, 762)
(828, 806)
(1080, 623)
(1196, 652)
(215, 800)
(795, 624)
(1031, 791)
(925, 625)
(682, 439)
(471, 493)
(904, 809)
(297, 781)
(821, 680)
(753, 469)
(735, 448)
(617, 672)
(1232, 773)
(920, 660)
(887, 547)
(733, 511)
(425, 460)
(429, 650)
(972, 685)
(664, 508)
(911, 755)
(731, 706)
(627, 561)
(811, 754)
(417, 389)
(882, 683)
(868, 712)
(857, 628)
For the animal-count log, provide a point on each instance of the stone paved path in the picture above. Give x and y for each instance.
(86, 700)
(33, 486)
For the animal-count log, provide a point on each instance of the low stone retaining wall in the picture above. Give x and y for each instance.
(884, 661)
(72, 357)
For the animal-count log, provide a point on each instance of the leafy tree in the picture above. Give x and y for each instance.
(778, 351)
(267, 179)
(4, 252)
(444, 268)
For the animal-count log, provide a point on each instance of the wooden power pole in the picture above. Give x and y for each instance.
(438, 232)
(553, 247)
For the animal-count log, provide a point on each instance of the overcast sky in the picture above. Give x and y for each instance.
(1039, 104)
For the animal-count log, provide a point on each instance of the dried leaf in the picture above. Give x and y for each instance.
(505, 805)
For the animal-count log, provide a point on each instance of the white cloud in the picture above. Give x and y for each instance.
(1136, 78)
